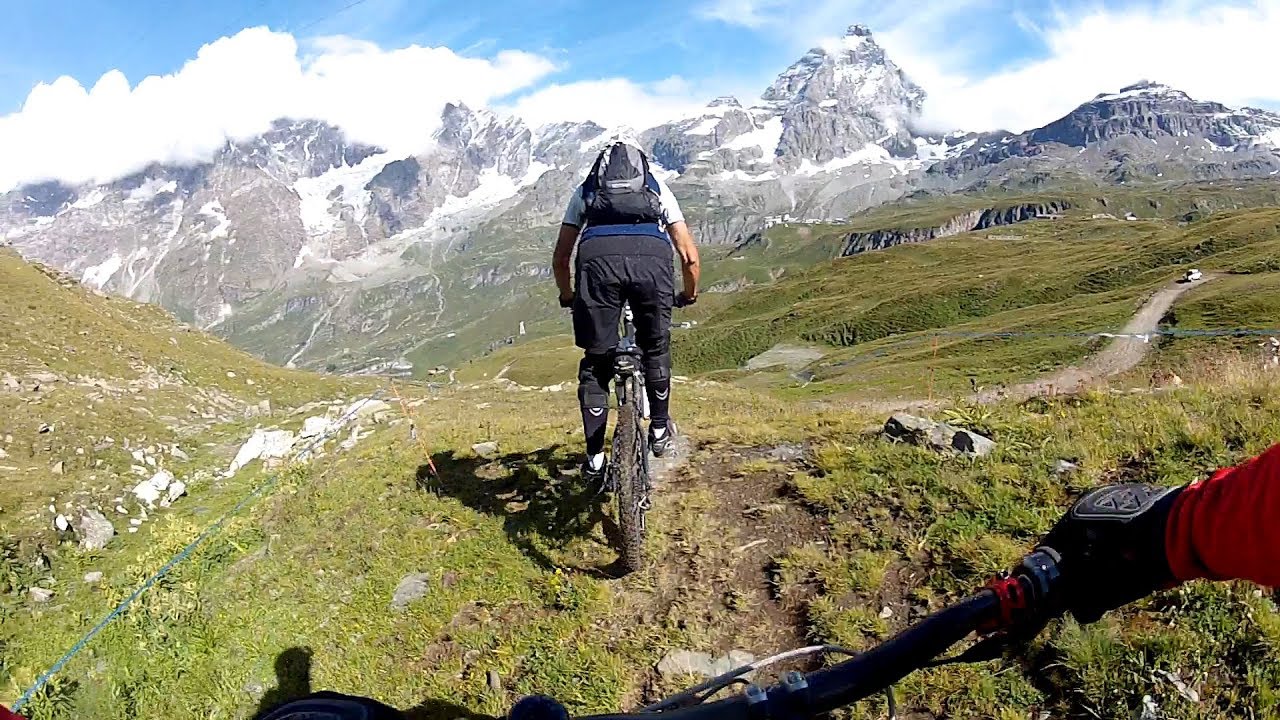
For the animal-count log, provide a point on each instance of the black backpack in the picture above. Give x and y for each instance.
(620, 190)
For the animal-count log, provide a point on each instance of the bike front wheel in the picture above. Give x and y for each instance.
(631, 477)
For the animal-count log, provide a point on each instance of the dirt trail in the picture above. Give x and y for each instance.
(1121, 355)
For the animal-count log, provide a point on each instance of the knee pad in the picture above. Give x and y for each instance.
(657, 368)
(593, 381)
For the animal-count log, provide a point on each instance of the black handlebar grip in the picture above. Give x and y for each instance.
(538, 707)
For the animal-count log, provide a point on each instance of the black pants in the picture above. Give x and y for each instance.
(646, 281)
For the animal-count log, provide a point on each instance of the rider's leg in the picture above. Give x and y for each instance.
(597, 309)
(594, 373)
(651, 291)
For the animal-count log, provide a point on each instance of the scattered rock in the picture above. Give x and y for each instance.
(486, 450)
(411, 588)
(149, 491)
(3, 454)
(939, 436)
(92, 578)
(690, 662)
(61, 523)
(365, 408)
(495, 681)
(136, 522)
(11, 382)
(1064, 467)
(176, 490)
(121, 509)
(231, 375)
(57, 468)
(1187, 692)
(43, 378)
(265, 444)
(95, 530)
(886, 613)
(450, 579)
(45, 428)
(178, 453)
(317, 426)
(787, 452)
(40, 595)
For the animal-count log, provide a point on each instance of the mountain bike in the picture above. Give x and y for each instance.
(627, 474)
(1006, 613)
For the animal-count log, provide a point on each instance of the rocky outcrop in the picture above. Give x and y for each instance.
(862, 242)
(937, 436)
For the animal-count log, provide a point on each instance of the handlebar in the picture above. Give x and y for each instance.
(1009, 606)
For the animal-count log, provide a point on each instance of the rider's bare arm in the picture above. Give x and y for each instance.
(1227, 527)
(690, 266)
(560, 259)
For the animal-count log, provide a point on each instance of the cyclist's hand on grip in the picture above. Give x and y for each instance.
(685, 300)
(1112, 548)
(566, 300)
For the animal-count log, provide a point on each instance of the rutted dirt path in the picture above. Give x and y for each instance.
(1125, 351)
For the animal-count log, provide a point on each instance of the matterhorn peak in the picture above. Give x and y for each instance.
(858, 31)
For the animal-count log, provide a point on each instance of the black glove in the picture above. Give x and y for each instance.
(1112, 547)
(683, 300)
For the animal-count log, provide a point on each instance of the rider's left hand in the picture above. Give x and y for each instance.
(566, 300)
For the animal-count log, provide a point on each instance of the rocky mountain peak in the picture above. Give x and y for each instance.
(858, 31)
(852, 70)
(1144, 89)
(725, 101)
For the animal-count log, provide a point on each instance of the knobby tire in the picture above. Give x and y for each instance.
(630, 482)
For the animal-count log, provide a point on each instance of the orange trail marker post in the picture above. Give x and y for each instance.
(413, 430)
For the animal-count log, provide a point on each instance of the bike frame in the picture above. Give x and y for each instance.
(627, 363)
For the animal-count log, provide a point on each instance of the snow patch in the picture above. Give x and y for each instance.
(315, 206)
(303, 254)
(536, 170)
(149, 189)
(706, 127)
(744, 176)
(98, 275)
(88, 201)
(829, 103)
(869, 155)
(214, 210)
(766, 137)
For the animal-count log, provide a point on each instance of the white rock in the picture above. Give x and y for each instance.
(177, 452)
(317, 426)
(40, 595)
(61, 522)
(3, 454)
(231, 375)
(364, 408)
(886, 613)
(133, 530)
(149, 492)
(265, 444)
(136, 522)
(176, 490)
(95, 530)
(121, 509)
(138, 455)
(93, 578)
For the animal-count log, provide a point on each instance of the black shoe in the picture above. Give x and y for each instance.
(659, 447)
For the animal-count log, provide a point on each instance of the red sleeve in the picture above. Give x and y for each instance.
(1228, 527)
(6, 715)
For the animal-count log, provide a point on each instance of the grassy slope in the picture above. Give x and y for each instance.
(1069, 275)
(510, 552)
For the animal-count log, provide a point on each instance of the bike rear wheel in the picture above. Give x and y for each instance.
(631, 479)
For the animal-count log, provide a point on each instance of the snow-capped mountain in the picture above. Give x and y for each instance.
(1146, 131)
(308, 248)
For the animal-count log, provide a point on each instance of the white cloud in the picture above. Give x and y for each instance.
(612, 102)
(233, 89)
(1212, 52)
(1075, 49)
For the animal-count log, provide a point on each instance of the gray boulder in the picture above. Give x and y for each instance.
(486, 450)
(411, 588)
(94, 530)
(691, 662)
(938, 436)
(40, 595)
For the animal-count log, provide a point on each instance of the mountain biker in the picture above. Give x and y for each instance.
(627, 226)
(1117, 544)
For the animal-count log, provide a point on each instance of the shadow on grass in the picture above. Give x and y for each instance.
(535, 499)
(293, 698)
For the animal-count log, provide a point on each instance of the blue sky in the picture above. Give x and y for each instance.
(40, 41)
(92, 89)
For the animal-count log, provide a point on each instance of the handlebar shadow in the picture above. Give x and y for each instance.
(533, 499)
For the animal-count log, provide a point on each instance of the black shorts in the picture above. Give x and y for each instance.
(645, 279)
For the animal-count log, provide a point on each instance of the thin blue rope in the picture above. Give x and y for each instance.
(181, 556)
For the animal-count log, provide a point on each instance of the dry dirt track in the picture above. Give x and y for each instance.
(1121, 355)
